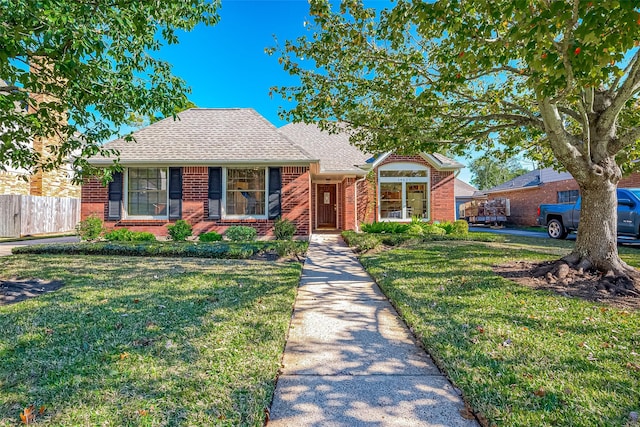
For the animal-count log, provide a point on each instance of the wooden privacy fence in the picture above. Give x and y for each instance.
(25, 215)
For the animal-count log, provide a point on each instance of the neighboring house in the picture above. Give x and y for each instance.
(55, 183)
(540, 186)
(41, 203)
(464, 193)
(217, 168)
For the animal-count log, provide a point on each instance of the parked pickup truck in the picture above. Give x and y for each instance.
(561, 219)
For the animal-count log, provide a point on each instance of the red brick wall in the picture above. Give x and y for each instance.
(631, 181)
(295, 198)
(94, 199)
(366, 201)
(442, 196)
(314, 219)
(348, 204)
(295, 204)
(339, 205)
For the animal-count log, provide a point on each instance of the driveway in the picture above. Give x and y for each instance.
(515, 232)
(5, 247)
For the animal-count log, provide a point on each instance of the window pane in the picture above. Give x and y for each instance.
(147, 192)
(246, 190)
(403, 173)
(570, 196)
(417, 203)
(390, 200)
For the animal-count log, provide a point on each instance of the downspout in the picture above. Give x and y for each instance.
(355, 190)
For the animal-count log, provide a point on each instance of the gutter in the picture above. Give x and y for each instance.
(174, 162)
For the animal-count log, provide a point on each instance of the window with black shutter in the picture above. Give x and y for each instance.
(115, 197)
(275, 193)
(215, 193)
(175, 193)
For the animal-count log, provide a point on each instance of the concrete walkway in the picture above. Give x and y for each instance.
(349, 360)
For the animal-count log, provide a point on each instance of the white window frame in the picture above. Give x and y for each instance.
(126, 194)
(223, 208)
(400, 167)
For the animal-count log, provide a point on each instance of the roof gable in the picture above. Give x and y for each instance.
(208, 136)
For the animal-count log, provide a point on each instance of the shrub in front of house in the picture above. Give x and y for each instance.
(126, 235)
(291, 248)
(210, 236)
(433, 229)
(415, 230)
(361, 241)
(221, 250)
(241, 233)
(395, 239)
(284, 229)
(90, 228)
(179, 231)
(460, 227)
(385, 227)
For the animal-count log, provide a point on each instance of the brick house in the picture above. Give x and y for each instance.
(221, 167)
(527, 192)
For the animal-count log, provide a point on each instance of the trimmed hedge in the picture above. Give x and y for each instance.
(366, 241)
(417, 227)
(222, 250)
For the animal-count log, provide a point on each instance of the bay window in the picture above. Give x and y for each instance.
(403, 190)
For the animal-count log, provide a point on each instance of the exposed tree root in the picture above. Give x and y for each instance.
(615, 276)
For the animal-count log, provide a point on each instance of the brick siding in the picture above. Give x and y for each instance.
(295, 205)
(11, 183)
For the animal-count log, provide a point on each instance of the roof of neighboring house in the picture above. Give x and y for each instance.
(531, 179)
(209, 135)
(333, 150)
(462, 189)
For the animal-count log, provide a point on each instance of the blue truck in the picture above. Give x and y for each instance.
(562, 218)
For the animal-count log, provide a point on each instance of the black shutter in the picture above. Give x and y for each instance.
(115, 197)
(175, 193)
(215, 192)
(275, 190)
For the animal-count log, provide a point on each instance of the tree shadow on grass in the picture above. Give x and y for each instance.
(147, 341)
(520, 355)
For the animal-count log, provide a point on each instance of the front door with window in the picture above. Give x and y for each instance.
(326, 205)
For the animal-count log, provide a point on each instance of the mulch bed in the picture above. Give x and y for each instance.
(589, 285)
(16, 290)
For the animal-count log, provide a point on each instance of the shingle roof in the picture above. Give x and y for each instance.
(336, 154)
(446, 161)
(334, 151)
(531, 179)
(462, 189)
(207, 136)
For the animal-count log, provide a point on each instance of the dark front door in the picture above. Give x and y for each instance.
(326, 205)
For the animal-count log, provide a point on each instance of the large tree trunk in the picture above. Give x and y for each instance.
(596, 245)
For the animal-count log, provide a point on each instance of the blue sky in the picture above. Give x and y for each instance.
(226, 65)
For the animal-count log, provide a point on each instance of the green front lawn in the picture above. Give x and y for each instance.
(522, 357)
(145, 341)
